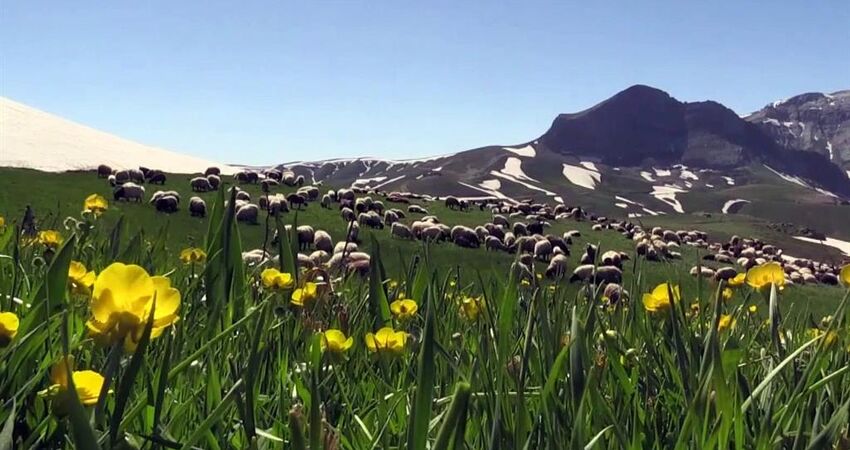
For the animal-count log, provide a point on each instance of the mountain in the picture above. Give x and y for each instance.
(38, 140)
(813, 122)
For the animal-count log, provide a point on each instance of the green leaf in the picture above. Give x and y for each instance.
(214, 417)
(455, 422)
(6, 434)
(377, 294)
(417, 428)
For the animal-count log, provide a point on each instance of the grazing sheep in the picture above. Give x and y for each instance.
(614, 293)
(156, 177)
(390, 217)
(212, 171)
(326, 201)
(604, 274)
(353, 231)
(277, 204)
(464, 237)
(452, 202)
(248, 213)
(347, 215)
(322, 241)
(725, 273)
(319, 257)
(370, 219)
(197, 207)
(200, 184)
(557, 267)
(215, 181)
(122, 176)
(299, 180)
(416, 209)
(432, 233)
(267, 184)
(705, 272)
(346, 247)
(543, 250)
(136, 176)
(296, 201)
(254, 257)
(611, 258)
(400, 230)
(274, 174)
(589, 256)
(103, 171)
(311, 193)
(493, 243)
(306, 234)
(166, 204)
(129, 191)
(112, 180)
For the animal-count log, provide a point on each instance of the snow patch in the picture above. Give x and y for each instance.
(625, 200)
(589, 166)
(646, 176)
(622, 205)
(848, 174)
(790, 178)
(513, 168)
(844, 246)
(709, 185)
(493, 184)
(586, 176)
(634, 215)
(559, 199)
(729, 204)
(729, 180)
(667, 194)
(773, 122)
(829, 148)
(688, 175)
(490, 192)
(662, 172)
(651, 212)
(527, 151)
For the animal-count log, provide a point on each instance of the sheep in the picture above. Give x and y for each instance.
(322, 241)
(122, 176)
(493, 243)
(248, 213)
(197, 207)
(326, 201)
(103, 171)
(611, 258)
(499, 219)
(400, 230)
(353, 231)
(215, 181)
(589, 255)
(277, 204)
(254, 257)
(212, 171)
(200, 184)
(136, 176)
(296, 200)
(370, 219)
(614, 293)
(604, 274)
(166, 204)
(452, 202)
(346, 247)
(299, 180)
(725, 273)
(345, 194)
(464, 237)
(519, 229)
(111, 180)
(432, 233)
(156, 177)
(129, 191)
(156, 195)
(557, 267)
(339, 259)
(705, 272)
(543, 250)
(390, 217)
(416, 209)
(347, 215)
(273, 174)
(267, 184)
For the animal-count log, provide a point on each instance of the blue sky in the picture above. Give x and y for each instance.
(266, 82)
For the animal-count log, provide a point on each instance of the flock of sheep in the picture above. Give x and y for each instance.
(514, 228)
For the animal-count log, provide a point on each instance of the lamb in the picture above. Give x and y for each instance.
(589, 255)
(197, 207)
(129, 191)
(111, 180)
(400, 230)
(322, 241)
(248, 213)
(103, 171)
(557, 267)
(306, 234)
(166, 204)
(200, 184)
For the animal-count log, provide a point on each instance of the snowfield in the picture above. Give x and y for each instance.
(34, 139)
(729, 204)
(667, 194)
(585, 175)
(491, 184)
(647, 176)
(527, 151)
(844, 246)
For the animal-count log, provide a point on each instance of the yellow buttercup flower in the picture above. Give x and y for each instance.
(762, 276)
(121, 303)
(2, 221)
(276, 280)
(192, 255)
(752, 309)
(828, 340)
(336, 342)
(404, 308)
(844, 275)
(305, 294)
(49, 238)
(659, 300)
(726, 322)
(386, 341)
(392, 284)
(9, 324)
(96, 204)
(87, 383)
(737, 281)
(470, 307)
(80, 279)
(727, 294)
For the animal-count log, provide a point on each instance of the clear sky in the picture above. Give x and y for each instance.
(273, 81)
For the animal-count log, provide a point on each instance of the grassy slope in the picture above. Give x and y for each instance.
(56, 196)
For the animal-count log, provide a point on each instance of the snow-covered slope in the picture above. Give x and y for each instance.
(38, 140)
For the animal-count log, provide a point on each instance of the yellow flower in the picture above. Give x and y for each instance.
(121, 303)
(452, 283)
(80, 279)
(335, 341)
(304, 295)
(392, 284)
(738, 280)
(386, 341)
(49, 238)
(761, 277)
(752, 309)
(470, 307)
(659, 300)
(404, 308)
(95, 203)
(2, 221)
(726, 322)
(9, 324)
(192, 255)
(276, 280)
(828, 340)
(727, 294)
(524, 282)
(87, 383)
(844, 275)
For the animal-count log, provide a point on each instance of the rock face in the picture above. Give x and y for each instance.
(812, 122)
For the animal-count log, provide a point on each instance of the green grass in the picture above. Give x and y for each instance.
(543, 366)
